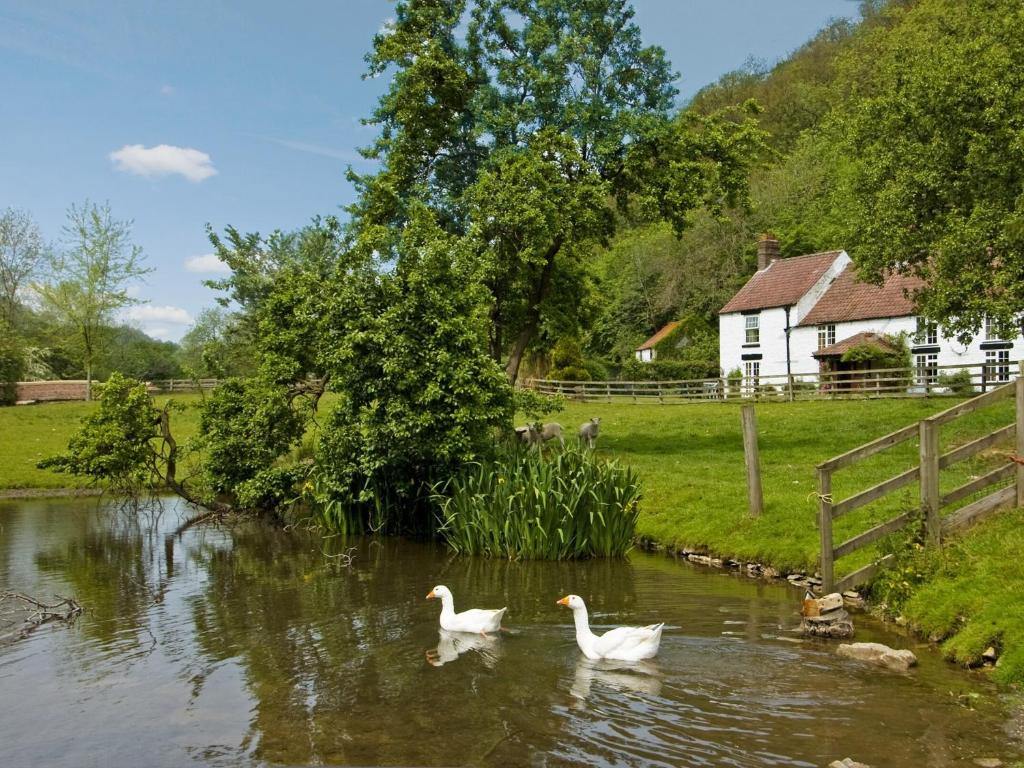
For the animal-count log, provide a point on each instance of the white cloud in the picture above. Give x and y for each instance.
(159, 332)
(162, 160)
(146, 314)
(318, 149)
(208, 263)
(168, 90)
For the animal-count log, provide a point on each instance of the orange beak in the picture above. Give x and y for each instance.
(431, 595)
(563, 601)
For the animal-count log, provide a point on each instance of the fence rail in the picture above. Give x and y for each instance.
(958, 380)
(926, 474)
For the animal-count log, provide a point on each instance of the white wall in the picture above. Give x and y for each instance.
(772, 346)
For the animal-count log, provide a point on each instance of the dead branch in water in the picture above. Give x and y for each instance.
(34, 613)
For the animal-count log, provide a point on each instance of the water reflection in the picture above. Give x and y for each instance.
(254, 646)
(640, 677)
(451, 645)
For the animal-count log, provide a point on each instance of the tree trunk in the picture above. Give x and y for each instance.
(532, 323)
(88, 380)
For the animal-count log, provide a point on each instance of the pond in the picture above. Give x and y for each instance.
(258, 646)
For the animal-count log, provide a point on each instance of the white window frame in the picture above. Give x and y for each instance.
(997, 365)
(752, 326)
(826, 335)
(927, 331)
(926, 369)
(751, 376)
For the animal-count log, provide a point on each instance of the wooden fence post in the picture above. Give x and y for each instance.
(608, 390)
(930, 480)
(1020, 433)
(825, 528)
(753, 461)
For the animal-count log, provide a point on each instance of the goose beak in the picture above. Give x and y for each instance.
(431, 595)
(563, 601)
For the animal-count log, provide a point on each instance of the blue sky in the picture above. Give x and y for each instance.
(247, 113)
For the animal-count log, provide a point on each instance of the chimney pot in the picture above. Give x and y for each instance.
(767, 251)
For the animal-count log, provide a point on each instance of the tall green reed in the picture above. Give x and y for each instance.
(524, 505)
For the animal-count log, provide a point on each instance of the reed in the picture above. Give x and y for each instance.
(524, 505)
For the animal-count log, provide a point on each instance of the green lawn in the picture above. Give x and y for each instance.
(32, 432)
(690, 458)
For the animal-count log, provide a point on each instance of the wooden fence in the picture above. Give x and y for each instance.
(957, 380)
(182, 385)
(926, 475)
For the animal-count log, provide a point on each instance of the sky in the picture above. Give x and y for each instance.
(247, 113)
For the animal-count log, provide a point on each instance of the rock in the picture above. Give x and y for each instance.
(769, 573)
(990, 654)
(876, 653)
(796, 578)
(835, 624)
(988, 762)
(847, 762)
(853, 601)
(830, 602)
(814, 580)
(717, 563)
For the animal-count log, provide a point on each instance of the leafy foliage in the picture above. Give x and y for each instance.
(523, 505)
(12, 365)
(419, 394)
(113, 444)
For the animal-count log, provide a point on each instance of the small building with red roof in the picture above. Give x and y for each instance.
(647, 351)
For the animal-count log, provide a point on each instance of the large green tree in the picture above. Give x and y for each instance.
(524, 135)
(932, 136)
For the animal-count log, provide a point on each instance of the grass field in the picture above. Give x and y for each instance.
(33, 432)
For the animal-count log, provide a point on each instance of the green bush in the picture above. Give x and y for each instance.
(567, 353)
(959, 383)
(524, 505)
(569, 373)
(12, 367)
(597, 369)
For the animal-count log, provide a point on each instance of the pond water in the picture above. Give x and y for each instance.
(256, 646)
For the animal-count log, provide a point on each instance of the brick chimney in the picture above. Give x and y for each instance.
(767, 251)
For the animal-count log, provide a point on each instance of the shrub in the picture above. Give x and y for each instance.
(597, 369)
(569, 373)
(959, 383)
(525, 506)
(12, 367)
(567, 353)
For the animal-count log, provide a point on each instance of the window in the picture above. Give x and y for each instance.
(751, 376)
(926, 368)
(927, 332)
(990, 329)
(997, 365)
(753, 324)
(826, 336)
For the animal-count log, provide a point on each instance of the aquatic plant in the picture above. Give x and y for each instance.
(524, 505)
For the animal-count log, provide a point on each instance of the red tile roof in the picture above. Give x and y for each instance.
(653, 341)
(869, 338)
(782, 283)
(850, 299)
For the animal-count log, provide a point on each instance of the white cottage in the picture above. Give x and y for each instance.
(799, 315)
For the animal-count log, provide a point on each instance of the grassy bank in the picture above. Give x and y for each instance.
(33, 432)
(690, 462)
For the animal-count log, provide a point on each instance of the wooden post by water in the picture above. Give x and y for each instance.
(825, 528)
(752, 460)
(1020, 433)
(930, 480)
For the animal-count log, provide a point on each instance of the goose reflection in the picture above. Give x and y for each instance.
(627, 676)
(451, 645)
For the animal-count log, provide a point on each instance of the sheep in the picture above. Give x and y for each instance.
(589, 430)
(528, 434)
(550, 431)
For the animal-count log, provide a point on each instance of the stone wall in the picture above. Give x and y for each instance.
(42, 391)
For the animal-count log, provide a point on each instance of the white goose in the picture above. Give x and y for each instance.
(621, 643)
(473, 620)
